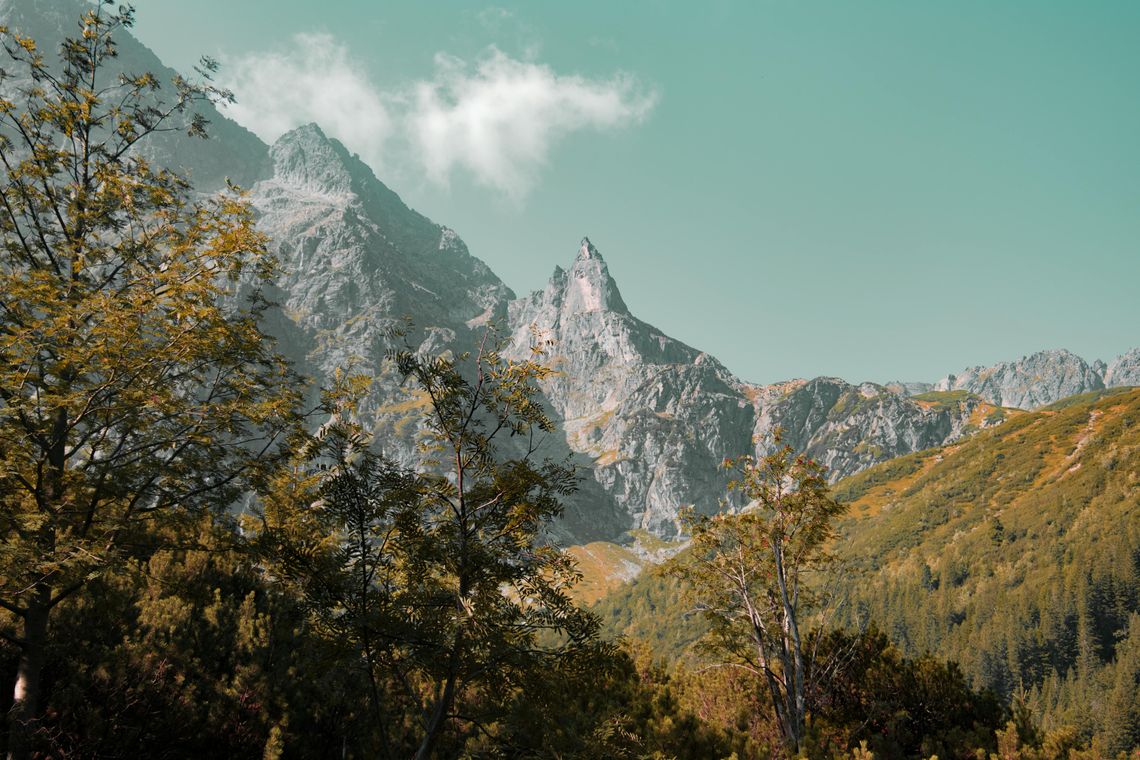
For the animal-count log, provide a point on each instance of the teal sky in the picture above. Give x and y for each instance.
(880, 190)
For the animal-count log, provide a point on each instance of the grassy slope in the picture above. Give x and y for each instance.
(1003, 551)
(1016, 552)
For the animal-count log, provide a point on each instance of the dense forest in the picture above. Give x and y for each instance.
(196, 564)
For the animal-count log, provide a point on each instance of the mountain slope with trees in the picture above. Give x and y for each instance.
(1015, 553)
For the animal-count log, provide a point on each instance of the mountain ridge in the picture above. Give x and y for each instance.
(646, 417)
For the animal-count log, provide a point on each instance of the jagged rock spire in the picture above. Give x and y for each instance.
(588, 286)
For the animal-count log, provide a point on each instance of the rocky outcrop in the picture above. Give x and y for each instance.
(655, 416)
(1124, 370)
(911, 388)
(1030, 382)
(356, 261)
(849, 428)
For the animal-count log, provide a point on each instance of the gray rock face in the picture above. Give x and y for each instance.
(356, 260)
(1124, 370)
(655, 416)
(911, 388)
(849, 428)
(1030, 382)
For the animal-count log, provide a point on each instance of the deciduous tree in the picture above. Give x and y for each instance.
(751, 574)
(128, 395)
(443, 576)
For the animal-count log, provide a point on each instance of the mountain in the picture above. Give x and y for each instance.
(1015, 553)
(232, 151)
(356, 263)
(1042, 378)
(848, 428)
(1030, 382)
(647, 418)
(356, 260)
(657, 417)
(1124, 370)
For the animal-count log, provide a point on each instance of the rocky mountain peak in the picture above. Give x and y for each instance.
(308, 159)
(588, 286)
(588, 251)
(1124, 370)
(1029, 382)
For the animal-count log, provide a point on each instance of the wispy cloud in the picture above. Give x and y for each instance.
(492, 18)
(314, 80)
(497, 118)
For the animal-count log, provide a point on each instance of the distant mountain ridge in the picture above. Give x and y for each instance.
(646, 417)
(1033, 381)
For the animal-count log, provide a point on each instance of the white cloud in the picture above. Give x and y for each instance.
(314, 81)
(500, 118)
(496, 119)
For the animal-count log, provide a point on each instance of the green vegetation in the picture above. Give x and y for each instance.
(367, 609)
(943, 397)
(434, 582)
(1015, 554)
(604, 566)
(751, 576)
(1083, 398)
(131, 398)
(1018, 556)
(853, 488)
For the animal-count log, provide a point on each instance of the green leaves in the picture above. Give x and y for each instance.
(131, 401)
(439, 578)
(751, 574)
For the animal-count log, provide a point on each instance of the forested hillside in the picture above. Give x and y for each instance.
(1015, 554)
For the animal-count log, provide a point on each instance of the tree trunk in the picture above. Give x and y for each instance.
(26, 695)
(791, 656)
(438, 718)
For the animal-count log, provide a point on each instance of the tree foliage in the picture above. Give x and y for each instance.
(128, 395)
(441, 576)
(750, 574)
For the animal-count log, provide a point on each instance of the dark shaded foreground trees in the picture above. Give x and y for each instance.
(439, 580)
(129, 398)
(341, 630)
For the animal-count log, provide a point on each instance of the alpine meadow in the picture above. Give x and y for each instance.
(287, 471)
